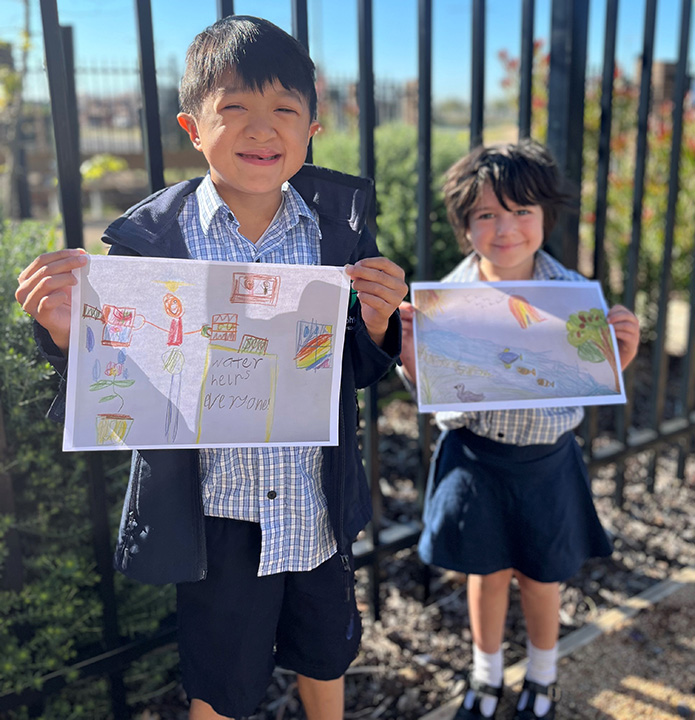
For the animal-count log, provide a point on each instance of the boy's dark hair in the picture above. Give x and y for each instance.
(255, 50)
(525, 173)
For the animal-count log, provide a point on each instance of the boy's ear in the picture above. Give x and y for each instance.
(313, 128)
(188, 123)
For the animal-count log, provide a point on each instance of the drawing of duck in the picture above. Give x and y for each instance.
(508, 357)
(525, 370)
(545, 383)
(466, 396)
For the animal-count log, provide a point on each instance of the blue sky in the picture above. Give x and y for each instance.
(104, 32)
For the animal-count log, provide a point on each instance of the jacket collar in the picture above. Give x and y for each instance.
(342, 203)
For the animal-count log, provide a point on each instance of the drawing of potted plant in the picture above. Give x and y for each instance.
(112, 428)
(590, 334)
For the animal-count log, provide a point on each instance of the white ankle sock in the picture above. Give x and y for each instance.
(488, 668)
(542, 668)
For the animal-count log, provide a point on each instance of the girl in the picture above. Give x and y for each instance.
(508, 493)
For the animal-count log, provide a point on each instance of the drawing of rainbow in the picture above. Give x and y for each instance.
(524, 312)
(316, 353)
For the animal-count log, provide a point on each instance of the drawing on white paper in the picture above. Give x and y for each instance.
(119, 325)
(314, 345)
(255, 288)
(513, 345)
(111, 427)
(524, 313)
(221, 356)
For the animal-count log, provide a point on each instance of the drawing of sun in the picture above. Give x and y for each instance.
(430, 302)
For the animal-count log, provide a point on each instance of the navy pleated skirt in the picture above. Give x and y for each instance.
(491, 506)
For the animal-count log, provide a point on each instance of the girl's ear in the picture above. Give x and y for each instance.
(188, 123)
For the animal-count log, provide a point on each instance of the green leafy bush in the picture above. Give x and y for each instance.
(623, 141)
(396, 189)
(55, 619)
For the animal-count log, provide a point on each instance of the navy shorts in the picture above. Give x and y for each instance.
(491, 506)
(234, 627)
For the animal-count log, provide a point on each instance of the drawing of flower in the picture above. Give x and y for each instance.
(113, 371)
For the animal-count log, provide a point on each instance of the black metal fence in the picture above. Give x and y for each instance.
(565, 130)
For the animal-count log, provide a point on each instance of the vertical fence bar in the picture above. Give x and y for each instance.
(67, 154)
(367, 116)
(103, 552)
(569, 32)
(623, 413)
(526, 68)
(224, 8)
(424, 141)
(69, 186)
(558, 105)
(300, 22)
(659, 363)
(641, 151)
(300, 30)
(590, 427)
(69, 54)
(424, 224)
(12, 577)
(688, 383)
(365, 92)
(477, 73)
(151, 130)
(604, 139)
(577, 93)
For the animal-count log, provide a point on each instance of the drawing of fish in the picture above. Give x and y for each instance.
(545, 383)
(525, 370)
(508, 357)
(466, 395)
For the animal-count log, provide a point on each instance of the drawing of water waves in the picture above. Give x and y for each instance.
(500, 373)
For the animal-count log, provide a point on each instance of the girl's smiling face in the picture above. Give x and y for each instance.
(506, 239)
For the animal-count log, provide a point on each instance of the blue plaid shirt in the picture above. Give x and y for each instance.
(535, 426)
(278, 487)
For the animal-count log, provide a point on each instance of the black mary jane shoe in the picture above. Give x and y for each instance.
(480, 689)
(553, 694)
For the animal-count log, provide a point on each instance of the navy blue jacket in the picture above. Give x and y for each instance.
(161, 538)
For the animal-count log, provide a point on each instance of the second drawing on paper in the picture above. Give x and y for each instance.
(501, 345)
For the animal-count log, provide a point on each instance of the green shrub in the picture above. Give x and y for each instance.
(55, 618)
(396, 189)
(619, 219)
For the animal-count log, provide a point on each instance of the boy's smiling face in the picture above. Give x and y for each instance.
(253, 141)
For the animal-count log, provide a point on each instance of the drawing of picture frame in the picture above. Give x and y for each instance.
(514, 345)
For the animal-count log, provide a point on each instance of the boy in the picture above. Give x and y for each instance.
(258, 540)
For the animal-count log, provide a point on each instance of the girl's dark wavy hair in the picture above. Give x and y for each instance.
(256, 51)
(524, 173)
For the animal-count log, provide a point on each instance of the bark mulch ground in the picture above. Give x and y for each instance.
(413, 660)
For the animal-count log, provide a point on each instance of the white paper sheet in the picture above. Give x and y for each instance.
(189, 353)
(506, 345)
